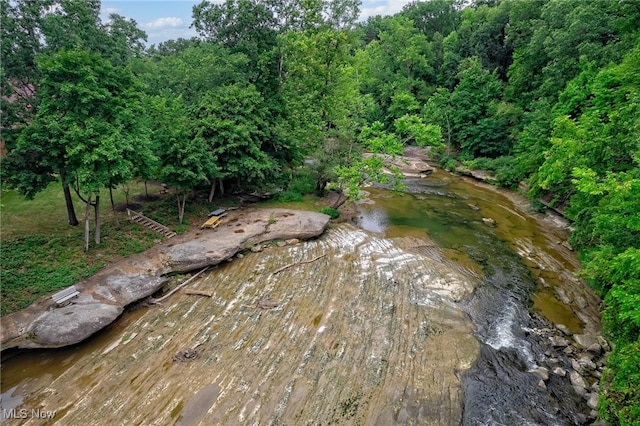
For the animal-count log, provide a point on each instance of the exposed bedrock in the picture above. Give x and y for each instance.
(103, 297)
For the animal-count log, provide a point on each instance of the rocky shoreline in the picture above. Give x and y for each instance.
(575, 359)
(103, 297)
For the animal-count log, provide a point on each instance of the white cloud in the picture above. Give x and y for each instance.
(389, 7)
(171, 22)
(109, 10)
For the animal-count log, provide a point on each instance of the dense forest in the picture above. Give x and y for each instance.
(545, 94)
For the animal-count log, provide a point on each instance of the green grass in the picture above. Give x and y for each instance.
(40, 253)
(308, 202)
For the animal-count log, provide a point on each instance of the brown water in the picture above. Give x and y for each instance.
(381, 330)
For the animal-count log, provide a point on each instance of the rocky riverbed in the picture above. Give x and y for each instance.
(427, 314)
(368, 333)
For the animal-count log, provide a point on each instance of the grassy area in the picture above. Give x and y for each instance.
(40, 253)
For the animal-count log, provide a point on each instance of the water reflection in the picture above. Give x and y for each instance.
(372, 218)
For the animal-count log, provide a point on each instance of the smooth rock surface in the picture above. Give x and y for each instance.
(103, 297)
(70, 324)
(355, 337)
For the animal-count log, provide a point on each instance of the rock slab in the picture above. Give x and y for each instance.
(103, 297)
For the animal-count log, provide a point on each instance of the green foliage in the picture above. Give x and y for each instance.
(479, 121)
(411, 128)
(448, 163)
(620, 403)
(303, 181)
(332, 213)
(289, 196)
(545, 91)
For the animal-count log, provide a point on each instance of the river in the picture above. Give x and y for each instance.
(423, 313)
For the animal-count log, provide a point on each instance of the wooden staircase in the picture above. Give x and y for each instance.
(141, 219)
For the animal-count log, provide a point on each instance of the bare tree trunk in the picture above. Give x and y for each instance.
(212, 191)
(448, 136)
(113, 205)
(146, 192)
(280, 72)
(340, 201)
(181, 205)
(71, 211)
(96, 208)
(86, 223)
(221, 188)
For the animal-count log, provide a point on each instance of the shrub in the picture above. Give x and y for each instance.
(620, 404)
(448, 163)
(289, 196)
(332, 213)
(303, 182)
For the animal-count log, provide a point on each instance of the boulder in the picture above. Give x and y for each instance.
(70, 324)
(565, 330)
(577, 381)
(541, 372)
(576, 365)
(585, 340)
(586, 363)
(595, 349)
(126, 289)
(560, 371)
(559, 342)
(592, 402)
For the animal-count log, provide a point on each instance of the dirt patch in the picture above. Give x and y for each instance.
(124, 206)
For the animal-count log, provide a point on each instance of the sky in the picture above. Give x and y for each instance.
(164, 20)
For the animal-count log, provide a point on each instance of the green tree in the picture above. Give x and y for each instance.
(480, 122)
(184, 160)
(397, 68)
(86, 127)
(434, 16)
(31, 28)
(439, 110)
(231, 122)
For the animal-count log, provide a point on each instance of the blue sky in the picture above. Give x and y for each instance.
(170, 19)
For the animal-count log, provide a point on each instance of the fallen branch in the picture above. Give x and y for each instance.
(297, 263)
(156, 301)
(199, 293)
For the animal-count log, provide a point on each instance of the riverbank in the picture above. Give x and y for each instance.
(102, 297)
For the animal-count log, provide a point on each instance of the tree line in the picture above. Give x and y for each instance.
(544, 92)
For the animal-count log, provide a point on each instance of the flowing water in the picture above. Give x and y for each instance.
(423, 314)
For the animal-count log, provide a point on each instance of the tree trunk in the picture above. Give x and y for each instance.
(321, 185)
(113, 205)
(448, 136)
(71, 211)
(146, 192)
(280, 72)
(86, 223)
(96, 208)
(221, 188)
(340, 201)
(181, 205)
(212, 191)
